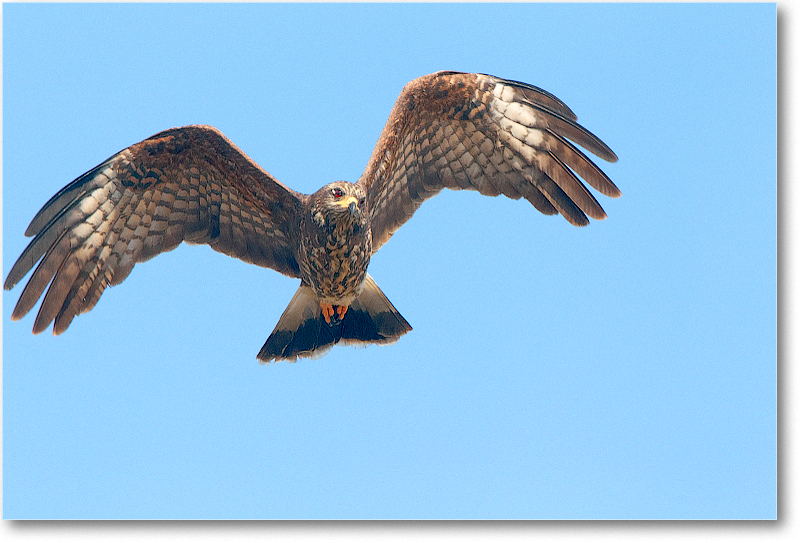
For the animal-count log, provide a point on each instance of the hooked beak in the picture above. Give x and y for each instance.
(350, 203)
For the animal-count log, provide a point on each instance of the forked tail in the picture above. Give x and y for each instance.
(302, 331)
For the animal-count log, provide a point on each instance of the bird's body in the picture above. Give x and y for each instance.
(336, 245)
(447, 130)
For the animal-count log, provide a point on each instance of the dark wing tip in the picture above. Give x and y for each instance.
(603, 151)
(538, 96)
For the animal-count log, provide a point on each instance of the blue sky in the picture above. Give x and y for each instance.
(623, 370)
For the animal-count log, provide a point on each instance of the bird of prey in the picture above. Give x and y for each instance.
(447, 130)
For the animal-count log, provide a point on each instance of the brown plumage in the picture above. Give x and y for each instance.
(447, 130)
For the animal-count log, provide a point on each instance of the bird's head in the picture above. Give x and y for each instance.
(339, 203)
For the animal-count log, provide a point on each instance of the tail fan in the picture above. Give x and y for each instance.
(302, 331)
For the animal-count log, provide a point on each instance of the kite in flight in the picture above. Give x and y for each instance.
(447, 130)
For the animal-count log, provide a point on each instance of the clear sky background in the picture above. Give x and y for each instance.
(623, 370)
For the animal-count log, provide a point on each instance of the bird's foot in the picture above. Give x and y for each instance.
(333, 313)
(327, 311)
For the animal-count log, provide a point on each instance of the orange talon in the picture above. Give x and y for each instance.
(341, 310)
(327, 311)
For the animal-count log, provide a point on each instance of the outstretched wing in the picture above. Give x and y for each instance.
(479, 132)
(185, 184)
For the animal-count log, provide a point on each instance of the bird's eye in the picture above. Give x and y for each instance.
(337, 193)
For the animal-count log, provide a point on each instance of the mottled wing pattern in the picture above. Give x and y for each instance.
(473, 131)
(185, 184)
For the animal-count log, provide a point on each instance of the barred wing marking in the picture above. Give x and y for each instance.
(185, 184)
(496, 136)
